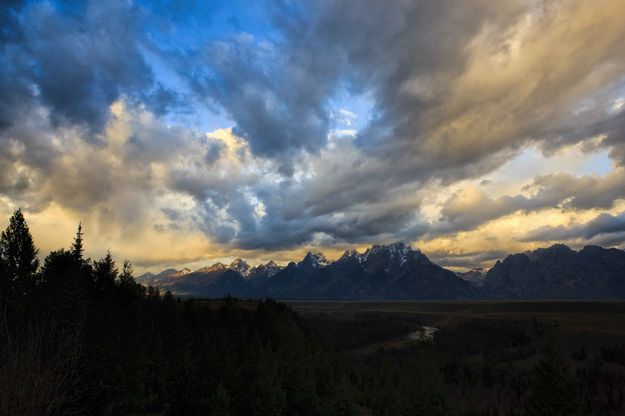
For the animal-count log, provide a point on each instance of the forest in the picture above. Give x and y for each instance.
(81, 337)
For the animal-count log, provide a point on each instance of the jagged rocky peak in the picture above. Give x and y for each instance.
(272, 266)
(217, 267)
(351, 254)
(269, 265)
(395, 250)
(314, 260)
(239, 265)
(265, 270)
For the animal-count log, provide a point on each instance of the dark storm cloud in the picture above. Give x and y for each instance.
(390, 50)
(597, 120)
(75, 59)
(14, 88)
(381, 224)
(275, 94)
(278, 93)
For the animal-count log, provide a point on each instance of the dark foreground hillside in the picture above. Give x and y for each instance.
(80, 337)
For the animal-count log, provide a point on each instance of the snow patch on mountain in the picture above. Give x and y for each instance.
(239, 265)
(217, 267)
(314, 260)
(395, 252)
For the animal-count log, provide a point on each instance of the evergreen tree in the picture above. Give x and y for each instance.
(18, 257)
(105, 273)
(554, 391)
(127, 273)
(127, 284)
(77, 246)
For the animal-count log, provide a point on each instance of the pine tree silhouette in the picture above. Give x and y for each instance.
(77, 246)
(18, 258)
(105, 273)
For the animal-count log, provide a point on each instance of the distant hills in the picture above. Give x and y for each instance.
(398, 272)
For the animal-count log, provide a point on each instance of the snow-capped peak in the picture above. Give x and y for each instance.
(179, 273)
(397, 251)
(314, 260)
(217, 267)
(265, 270)
(239, 265)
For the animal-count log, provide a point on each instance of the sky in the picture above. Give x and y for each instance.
(181, 133)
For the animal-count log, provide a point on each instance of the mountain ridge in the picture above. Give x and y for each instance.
(398, 272)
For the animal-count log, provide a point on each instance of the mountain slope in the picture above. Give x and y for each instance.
(558, 272)
(474, 276)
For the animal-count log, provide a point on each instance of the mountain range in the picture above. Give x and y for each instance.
(398, 272)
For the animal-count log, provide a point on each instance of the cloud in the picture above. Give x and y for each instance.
(466, 260)
(75, 59)
(602, 225)
(106, 109)
(457, 90)
(472, 206)
(275, 93)
(583, 192)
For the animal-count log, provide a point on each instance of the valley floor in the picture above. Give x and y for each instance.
(606, 318)
(593, 324)
(487, 353)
